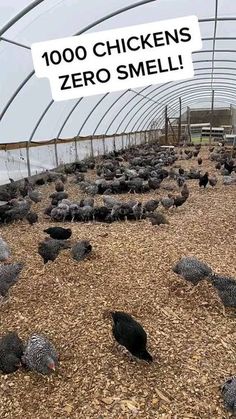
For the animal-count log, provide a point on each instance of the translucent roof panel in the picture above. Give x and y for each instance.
(27, 111)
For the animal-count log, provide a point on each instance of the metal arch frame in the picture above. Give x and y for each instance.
(194, 99)
(66, 119)
(157, 88)
(185, 103)
(167, 97)
(196, 96)
(34, 4)
(156, 114)
(172, 95)
(207, 101)
(19, 15)
(84, 30)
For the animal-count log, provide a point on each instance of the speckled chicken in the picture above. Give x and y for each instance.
(81, 250)
(9, 276)
(49, 249)
(11, 351)
(192, 269)
(229, 394)
(226, 289)
(130, 334)
(40, 355)
(5, 251)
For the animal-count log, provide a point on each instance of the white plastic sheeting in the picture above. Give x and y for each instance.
(13, 163)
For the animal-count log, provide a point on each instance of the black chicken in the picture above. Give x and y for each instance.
(32, 217)
(130, 334)
(11, 351)
(203, 181)
(199, 160)
(49, 249)
(58, 233)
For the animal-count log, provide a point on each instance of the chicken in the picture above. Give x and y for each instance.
(9, 276)
(59, 186)
(229, 394)
(138, 210)
(11, 351)
(58, 233)
(18, 211)
(130, 334)
(81, 250)
(180, 181)
(40, 355)
(167, 202)
(49, 249)
(203, 181)
(32, 217)
(212, 181)
(185, 191)
(157, 218)
(199, 160)
(35, 196)
(226, 289)
(192, 269)
(5, 251)
(87, 202)
(151, 205)
(87, 213)
(100, 213)
(109, 202)
(179, 200)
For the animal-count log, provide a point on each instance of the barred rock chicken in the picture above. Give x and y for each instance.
(11, 351)
(157, 218)
(130, 334)
(192, 269)
(229, 394)
(49, 249)
(5, 251)
(81, 250)
(226, 289)
(58, 233)
(203, 181)
(109, 202)
(32, 217)
(40, 355)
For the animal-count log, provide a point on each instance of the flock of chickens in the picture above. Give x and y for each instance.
(136, 170)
